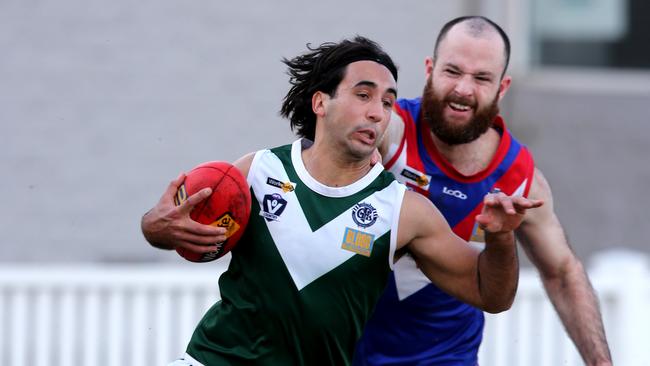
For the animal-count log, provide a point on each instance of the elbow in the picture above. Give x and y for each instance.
(497, 303)
(562, 275)
(499, 307)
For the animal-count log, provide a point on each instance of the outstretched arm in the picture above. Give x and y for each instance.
(487, 280)
(564, 277)
(167, 226)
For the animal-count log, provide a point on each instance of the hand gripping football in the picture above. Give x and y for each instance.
(228, 206)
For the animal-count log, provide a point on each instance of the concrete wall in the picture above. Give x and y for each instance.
(103, 102)
(589, 134)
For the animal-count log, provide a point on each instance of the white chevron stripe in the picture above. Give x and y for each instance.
(309, 255)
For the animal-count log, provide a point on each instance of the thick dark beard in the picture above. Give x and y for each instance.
(432, 113)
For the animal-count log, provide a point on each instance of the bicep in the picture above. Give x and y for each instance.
(446, 259)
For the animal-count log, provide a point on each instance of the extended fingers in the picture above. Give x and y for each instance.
(173, 186)
(510, 204)
(193, 200)
(199, 234)
(499, 199)
(522, 204)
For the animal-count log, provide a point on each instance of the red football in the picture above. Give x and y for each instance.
(228, 206)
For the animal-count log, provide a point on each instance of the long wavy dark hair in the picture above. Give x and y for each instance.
(322, 69)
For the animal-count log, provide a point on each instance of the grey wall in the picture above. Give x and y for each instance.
(103, 102)
(590, 139)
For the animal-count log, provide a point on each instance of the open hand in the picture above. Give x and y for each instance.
(502, 213)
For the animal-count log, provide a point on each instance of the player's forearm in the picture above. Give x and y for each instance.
(577, 305)
(498, 272)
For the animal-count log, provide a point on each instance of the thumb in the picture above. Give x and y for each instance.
(375, 158)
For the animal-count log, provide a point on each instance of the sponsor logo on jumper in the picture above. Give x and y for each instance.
(284, 186)
(454, 193)
(358, 241)
(420, 179)
(272, 207)
(364, 214)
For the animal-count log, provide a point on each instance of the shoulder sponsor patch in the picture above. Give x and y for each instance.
(358, 241)
(272, 207)
(286, 187)
(421, 179)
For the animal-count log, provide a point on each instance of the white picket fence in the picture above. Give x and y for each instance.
(136, 315)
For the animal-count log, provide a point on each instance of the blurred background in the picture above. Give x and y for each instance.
(102, 103)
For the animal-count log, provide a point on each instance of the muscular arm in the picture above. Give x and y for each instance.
(487, 280)
(564, 277)
(167, 226)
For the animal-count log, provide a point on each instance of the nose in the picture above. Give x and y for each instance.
(375, 111)
(464, 86)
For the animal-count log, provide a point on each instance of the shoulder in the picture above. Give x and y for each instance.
(418, 216)
(397, 126)
(244, 163)
(540, 188)
(393, 134)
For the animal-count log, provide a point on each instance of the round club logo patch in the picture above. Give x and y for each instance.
(364, 214)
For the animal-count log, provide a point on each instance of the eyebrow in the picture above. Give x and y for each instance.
(374, 85)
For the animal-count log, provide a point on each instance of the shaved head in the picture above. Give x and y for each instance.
(477, 27)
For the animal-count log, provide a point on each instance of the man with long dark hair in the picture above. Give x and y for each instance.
(313, 260)
(451, 146)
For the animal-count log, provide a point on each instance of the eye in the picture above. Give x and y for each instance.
(452, 72)
(388, 103)
(363, 95)
(483, 79)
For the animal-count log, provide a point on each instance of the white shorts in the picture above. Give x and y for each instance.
(186, 360)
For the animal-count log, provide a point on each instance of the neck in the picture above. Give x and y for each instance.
(472, 157)
(333, 167)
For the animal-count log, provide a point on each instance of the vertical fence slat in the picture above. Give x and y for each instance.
(187, 318)
(68, 335)
(3, 327)
(43, 326)
(116, 323)
(139, 324)
(18, 320)
(91, 334)
(162, 326)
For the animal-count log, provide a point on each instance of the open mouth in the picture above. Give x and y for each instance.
(459, 107)
(367, 136)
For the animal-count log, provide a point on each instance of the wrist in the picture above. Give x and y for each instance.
(499, 237)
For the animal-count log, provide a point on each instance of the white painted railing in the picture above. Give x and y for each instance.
(530, 333)
(122, 315)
